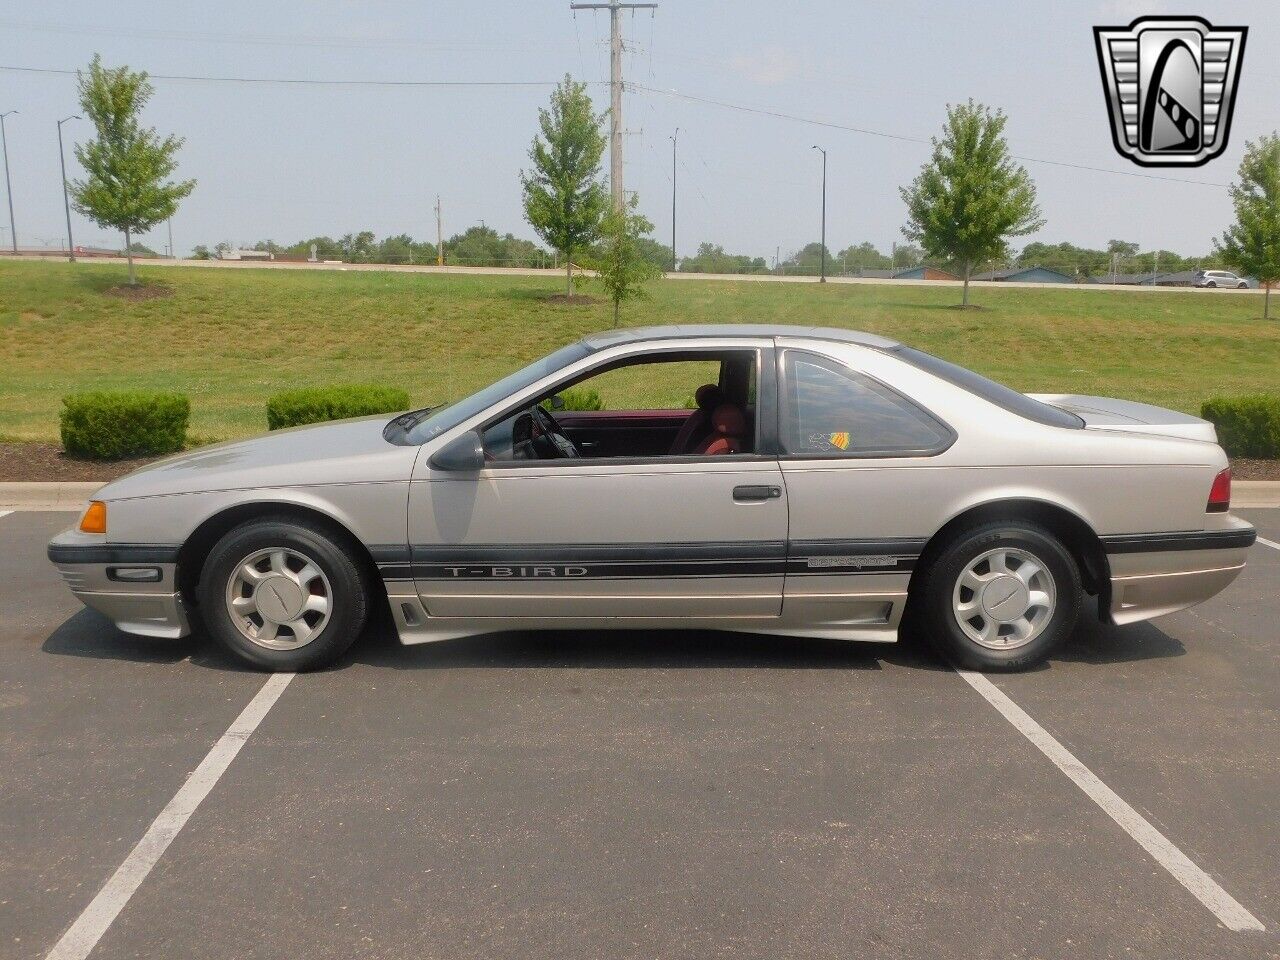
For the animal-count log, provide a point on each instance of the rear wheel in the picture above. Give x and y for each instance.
(1001, 596)
(283, 595)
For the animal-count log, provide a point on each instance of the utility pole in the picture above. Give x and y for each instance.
(673, 199)
(615, 8)
(822, 253)
(66, 202)
(8, 185)
(439, 236)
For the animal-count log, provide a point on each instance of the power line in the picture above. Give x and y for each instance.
(299, 41)
(644, 88)
(831, 124)
(295, 81)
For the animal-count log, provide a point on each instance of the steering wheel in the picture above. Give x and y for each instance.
(552, 435)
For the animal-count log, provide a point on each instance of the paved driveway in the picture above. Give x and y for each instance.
(639, 794)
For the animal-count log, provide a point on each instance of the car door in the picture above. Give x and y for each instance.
(641, 537)
(856, 456)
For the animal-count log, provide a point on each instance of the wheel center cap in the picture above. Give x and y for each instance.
(279, 599)
(1005, 598)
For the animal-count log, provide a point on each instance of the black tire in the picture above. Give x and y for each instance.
(344, 585)
(941, 624)
(1212, 285)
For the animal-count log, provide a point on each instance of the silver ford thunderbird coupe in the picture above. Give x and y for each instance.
(823, 483)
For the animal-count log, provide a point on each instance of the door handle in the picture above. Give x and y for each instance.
(751, 492)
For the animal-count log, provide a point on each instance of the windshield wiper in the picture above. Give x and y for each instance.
(407, 421)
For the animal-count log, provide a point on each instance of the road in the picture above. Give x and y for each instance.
(559, 273)
(637, 794)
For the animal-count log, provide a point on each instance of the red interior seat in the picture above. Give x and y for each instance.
(697, 426)
(728, 428)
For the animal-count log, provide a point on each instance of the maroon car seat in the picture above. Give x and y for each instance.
(728, 427)
(697, 426)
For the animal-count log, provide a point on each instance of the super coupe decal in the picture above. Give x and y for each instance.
(647, 560)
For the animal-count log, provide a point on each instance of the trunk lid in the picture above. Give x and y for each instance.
(1107, 413)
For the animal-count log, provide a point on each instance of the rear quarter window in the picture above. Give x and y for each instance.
(832, 411)
(997, 393)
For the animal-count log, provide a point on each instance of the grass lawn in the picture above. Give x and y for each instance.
(230, 338)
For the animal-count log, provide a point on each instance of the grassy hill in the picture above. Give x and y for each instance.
(230, 338)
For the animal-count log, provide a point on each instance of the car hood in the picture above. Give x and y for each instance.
(1107, 413)
(344, 451)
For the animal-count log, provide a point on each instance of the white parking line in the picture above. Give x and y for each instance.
(1202, 886)
(1269, 543)
(112, 898)
(5, 513)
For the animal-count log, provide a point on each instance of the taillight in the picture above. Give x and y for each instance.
(1220, 493)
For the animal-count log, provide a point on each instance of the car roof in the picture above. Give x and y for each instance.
(611, 338)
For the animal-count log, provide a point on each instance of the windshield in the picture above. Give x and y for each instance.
(989, 390)
(448, 416)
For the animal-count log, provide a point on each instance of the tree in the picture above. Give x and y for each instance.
(864, 256)
(712, 258)
(907, 255)
(564, 199)
(621, 266)
(127, 186)
(970, 198)
(808, 259)
(1252, 244)
(358, 247)
(1122, 249)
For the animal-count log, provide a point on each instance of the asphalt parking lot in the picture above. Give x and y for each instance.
(638, 795)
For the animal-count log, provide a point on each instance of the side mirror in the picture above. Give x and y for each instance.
(462, 455)
(557, 402)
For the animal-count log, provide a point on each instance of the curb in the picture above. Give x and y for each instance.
(46, 496)
(1245, 494)
(1255, 493)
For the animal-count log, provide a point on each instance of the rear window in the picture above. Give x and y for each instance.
(997, 393)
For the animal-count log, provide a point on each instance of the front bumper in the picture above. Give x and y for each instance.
(1157, 574)
(105, 577)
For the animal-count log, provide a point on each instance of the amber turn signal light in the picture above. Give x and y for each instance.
(95, 518)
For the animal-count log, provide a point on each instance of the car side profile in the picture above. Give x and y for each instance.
(1219, 278)
(824, 483)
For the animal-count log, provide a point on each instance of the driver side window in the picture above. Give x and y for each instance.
(670, 404)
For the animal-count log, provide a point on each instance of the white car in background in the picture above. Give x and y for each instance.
(1219, 278)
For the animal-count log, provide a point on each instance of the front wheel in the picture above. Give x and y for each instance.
(1001, 596)
(281, 594)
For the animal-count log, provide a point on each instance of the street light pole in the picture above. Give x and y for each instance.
(66, 200)
(172, 254)
(822, 253)
(673, 199)
(8, 185)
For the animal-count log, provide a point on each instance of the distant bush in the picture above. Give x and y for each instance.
(114, 426)
(576, 398)
(1247, 426)
(315, 405)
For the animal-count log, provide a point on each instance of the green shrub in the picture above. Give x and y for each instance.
(1247, 426)
(315, 405)
(576, 398)
(113, 426)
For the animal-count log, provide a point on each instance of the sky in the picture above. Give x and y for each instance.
(287, 161)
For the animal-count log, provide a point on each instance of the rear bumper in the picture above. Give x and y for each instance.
(1157, 574)
(104, 576)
